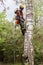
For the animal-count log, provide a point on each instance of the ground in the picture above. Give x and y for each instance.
(14, 64)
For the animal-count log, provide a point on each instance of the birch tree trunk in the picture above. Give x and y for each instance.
(28, 47)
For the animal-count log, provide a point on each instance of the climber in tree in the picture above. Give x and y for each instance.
(19, 18)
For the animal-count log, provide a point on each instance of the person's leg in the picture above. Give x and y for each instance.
(23, 28)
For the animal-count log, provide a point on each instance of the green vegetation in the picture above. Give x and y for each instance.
(38, 33)
(6, 38)
(38, 45)
(9, 38)
(10, 64)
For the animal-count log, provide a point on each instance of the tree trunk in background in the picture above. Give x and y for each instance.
(28, 47)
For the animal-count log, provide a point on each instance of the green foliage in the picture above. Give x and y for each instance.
(38, 44)
(37, 10)
(19, 43)
(6, 38)
(38, 32)
(11, 39)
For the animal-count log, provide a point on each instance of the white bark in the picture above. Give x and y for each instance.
(28, 47)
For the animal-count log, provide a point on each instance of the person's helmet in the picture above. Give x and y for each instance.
(21, 6)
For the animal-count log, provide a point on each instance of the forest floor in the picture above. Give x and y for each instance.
(13, 64)
(10, 64)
